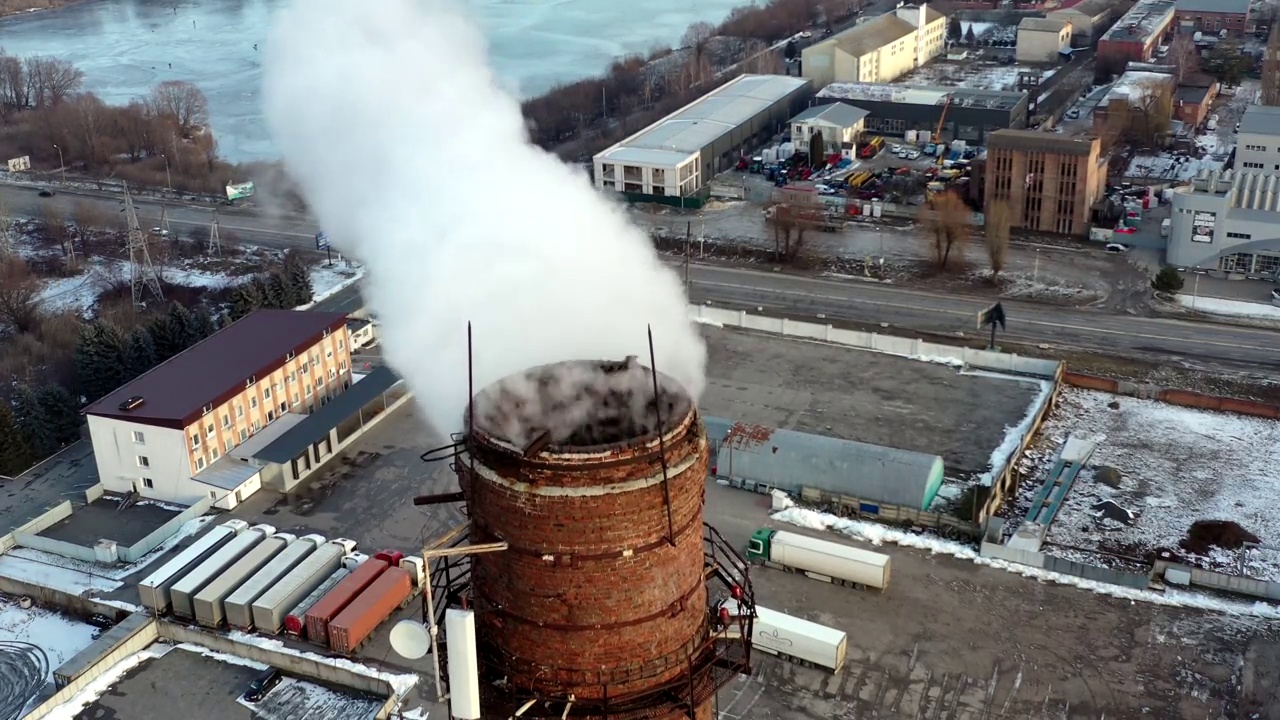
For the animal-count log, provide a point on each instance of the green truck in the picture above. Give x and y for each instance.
(819, 559)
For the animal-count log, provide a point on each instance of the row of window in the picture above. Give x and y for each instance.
(1240, 236)
(267, 397)
(1256, 148)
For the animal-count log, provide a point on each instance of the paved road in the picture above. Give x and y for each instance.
(1194, 344)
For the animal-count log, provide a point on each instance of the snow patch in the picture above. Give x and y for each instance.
(1013, 436)
(111, 572)
(221, 657)
(67, 580)
(400, 683)
(708, 321)
(329, 280)
(879, 535)
(91, 692)
(1233, 308)
(60, 637)
(938, 359)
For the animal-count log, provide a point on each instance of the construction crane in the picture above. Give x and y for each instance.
(937, 134)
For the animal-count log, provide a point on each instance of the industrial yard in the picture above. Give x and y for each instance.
(1009, 646)
(1176, 466)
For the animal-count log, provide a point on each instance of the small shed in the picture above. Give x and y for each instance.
(836, 122)
(789, 460)
(1041, 40)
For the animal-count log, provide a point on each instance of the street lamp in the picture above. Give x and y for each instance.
(1195, 287)
(62, 164)
(168, 178)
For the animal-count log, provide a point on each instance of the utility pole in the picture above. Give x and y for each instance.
(688, 250)
(215, 240)
(143, 277)
(164, 220)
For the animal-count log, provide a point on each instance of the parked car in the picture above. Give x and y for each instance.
(913, 154)
(1275, 298)
(806, 34)
(263, 684)
(1073, 114)
(46, 193)
(160, 231)
(1116, 248)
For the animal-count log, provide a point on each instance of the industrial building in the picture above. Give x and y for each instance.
(965, 113)
(1213, 16)
(677, 156)
(790, 460)
(1050, 181)
(838, 125)
(1228, 221)
(577, 615)
(1135, 91)
(878, 50)
(1088, 19)
(1137, 34)
(168, 433)
(1042, 40)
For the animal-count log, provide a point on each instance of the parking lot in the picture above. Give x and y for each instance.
(951, 639)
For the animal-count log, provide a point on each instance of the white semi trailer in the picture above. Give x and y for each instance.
(239, 606)
(156, 589)
(794, 639)
(184, 591)
(819, 559)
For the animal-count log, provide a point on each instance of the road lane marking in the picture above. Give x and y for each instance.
(1063, 326)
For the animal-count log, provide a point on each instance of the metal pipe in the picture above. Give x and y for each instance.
(524, 708)
(662, 445)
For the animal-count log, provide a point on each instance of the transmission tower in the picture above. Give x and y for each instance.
(215, 240)
(142, 273)
(164, 221)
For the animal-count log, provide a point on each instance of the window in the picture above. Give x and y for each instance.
(271, 415)
(226, 420)
(143, 461)
(206, 409)
(148, 483)
(284, 407)
(229, 444)
(253, 403)
(244, 434)
(195, 441)
(266, 393)
(257, 425)
(328, 353)
(319, 381)
(290, 356)
(139, 438)
(342, 343)
(308, 390)
(295, 399)
(213, 453)
(342, 365)
(332, 373)
(199, 463)
(239, 411)
(1240, 236)
(305, 366)
(293, 376)
(213, 495)
(209, 430)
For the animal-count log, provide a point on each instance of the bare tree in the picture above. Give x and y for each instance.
(999, 220)
(208, 145)
(95, 225)
(55, 228)
(136, 128)
(762, 59)
(13, 87)
(1183, 56)
(181, 103)
(945, 220)
(91, 115)
(696, 38)
(7, 234)
(19, 293)
(51, 80)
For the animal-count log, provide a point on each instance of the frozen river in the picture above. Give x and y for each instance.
(126, 46)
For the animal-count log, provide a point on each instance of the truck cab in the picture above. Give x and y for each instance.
(758, 547)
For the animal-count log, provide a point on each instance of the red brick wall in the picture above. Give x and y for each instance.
(590, 593)
(1210, 22)
(1184, 398)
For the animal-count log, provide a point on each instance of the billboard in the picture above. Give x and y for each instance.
(1202, 225)
(19, 164)
(240, 190)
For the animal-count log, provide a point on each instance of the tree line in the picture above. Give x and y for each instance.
(629, 86)
(46, 114)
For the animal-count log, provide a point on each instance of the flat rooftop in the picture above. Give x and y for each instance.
(211, 690)
(863, 396)
(923, 95)
(63, 477)
(101, 520)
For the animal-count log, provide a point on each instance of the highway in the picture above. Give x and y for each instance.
(1177, 342)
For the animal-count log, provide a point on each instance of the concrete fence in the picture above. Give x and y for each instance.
(94, 493)
(1183, 398)
(108, 658)
(1051, 563)
(875, 342)
(291, 662)
(135, 552)
(1222, 582)
(28, 536)
(51, 516)
(74, 604)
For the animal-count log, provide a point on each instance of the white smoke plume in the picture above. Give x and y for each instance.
(416, 162)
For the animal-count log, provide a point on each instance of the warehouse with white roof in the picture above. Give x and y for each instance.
(678, 155)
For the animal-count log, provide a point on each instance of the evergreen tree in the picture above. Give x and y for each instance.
(140, 352)
(275, 294)
(247, 298)
(165, 340)
(100, 360)
(15, 455)
(969, 36)
(61, 412)
(203, 325)
(32, 422)
(182, 323)
(790, 51)
(297, 277)
(954, 29)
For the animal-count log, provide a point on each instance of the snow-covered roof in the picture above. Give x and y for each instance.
(1261, 120)
(1146, 19)
(1135, 84)
(836, 113)
(706, 119)
(1033, 24)
(923, 95)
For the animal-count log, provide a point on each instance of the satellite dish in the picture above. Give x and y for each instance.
(410, 639)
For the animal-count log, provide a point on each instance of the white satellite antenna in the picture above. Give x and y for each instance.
(410, 639)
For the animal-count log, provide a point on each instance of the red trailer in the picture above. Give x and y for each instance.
(357, 622)
(328, 607)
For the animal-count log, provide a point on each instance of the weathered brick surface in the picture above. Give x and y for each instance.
(572, 610)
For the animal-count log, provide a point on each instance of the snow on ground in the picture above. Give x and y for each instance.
(329, 280)
(70, 709)
(1036, 285)
(60, 636)
(401, 683)
(1169, 167)
(881, 534)
(221, 657)
(1179, 465)
(1234, 308)
(293, 699)
(73, 582)
(979, 76)
(108, 572)
(1013, 434)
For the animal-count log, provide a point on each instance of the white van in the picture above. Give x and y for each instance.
(1164, 227)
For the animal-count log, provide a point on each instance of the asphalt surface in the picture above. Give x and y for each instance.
(1191, 344)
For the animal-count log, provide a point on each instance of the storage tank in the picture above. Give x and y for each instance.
(366, 612)
(910, 137)
(337, 599)
(155, 590)
(583, 604)
(770, 156)
(295, 623)
(184, 591)
(209, 603)
(239, 605)
(270, 609)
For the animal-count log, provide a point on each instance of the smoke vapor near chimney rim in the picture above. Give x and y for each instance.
(416, 162)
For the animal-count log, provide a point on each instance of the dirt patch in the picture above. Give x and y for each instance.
(1207, 534)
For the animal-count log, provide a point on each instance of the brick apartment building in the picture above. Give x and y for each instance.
(172, 433)
(1137, 34)
(1213, 16)
(1050, 181)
